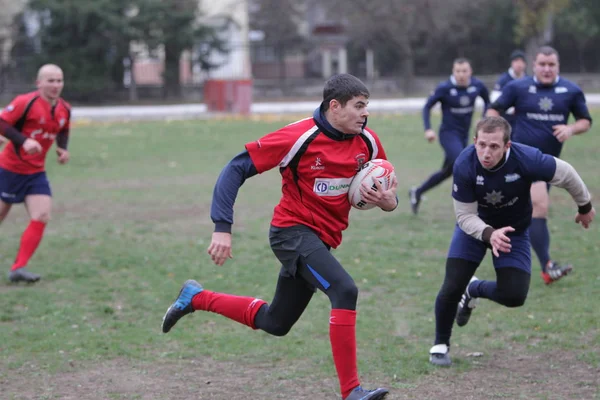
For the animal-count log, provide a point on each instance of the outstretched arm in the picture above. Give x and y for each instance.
(566, 177)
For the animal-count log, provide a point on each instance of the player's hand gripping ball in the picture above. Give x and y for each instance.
(379, 169)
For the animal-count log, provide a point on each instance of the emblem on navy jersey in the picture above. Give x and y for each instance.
(465, 101)
(511, 178)
(479, 180)
(546, 104)
(453, 92)
(560, 89)
(494, 197)
(532, 89)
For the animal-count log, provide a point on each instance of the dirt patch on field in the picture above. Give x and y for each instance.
(503, 375)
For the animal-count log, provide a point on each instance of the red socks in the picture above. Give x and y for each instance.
(342, 334)
(238, 308)
(30, 241)
(342, 329)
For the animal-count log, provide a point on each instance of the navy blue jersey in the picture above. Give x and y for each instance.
(539, 107)
(458, 104)
(502, 194)
(503, 80)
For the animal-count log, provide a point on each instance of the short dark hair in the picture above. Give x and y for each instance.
(547, 51)
(492, 124)
(461, 60)
(516, 54)
(343, 87)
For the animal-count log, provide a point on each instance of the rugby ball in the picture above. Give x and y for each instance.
(379, 169)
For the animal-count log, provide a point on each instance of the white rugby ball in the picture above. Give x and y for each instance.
(379, 169)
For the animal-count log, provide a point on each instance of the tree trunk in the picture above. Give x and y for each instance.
(407, 66)
(171, 83)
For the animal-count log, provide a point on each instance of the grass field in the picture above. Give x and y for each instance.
(131, 223)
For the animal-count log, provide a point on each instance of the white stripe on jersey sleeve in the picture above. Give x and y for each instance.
(296, 147)
(371, 138)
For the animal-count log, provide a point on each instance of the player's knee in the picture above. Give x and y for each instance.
(512, 300)
(345, 296)
(350, 292)
(447, 168)
(451, 291)
(42, 217)
(278, 329)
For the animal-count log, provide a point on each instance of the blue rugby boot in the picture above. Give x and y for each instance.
(182, 306)
(363, 394)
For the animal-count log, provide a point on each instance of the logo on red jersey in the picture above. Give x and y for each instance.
(9, 108)
(318, 165)
(360, 160)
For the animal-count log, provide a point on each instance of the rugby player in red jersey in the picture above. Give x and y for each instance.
(32, 122)
(317, 158)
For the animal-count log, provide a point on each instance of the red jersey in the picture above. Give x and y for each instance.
(316, 168)
(37, 119)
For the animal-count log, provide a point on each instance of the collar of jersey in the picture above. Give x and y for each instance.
(329, 130)
(501, 164)
(553, 83)
(453, 81)
(511, 72)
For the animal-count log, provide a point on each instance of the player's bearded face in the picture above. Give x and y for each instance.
(51, 85)
(546, 68)
(462, 73)
(351, 118)
(490, 148)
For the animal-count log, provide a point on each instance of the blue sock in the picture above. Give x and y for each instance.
(483, 289)
(540, 240)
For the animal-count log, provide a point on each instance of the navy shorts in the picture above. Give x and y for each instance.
(15, 187)
(466, 247)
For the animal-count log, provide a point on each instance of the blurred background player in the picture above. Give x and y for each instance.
(543, 104)
(457, 96)
(32, 122)
(517, 70)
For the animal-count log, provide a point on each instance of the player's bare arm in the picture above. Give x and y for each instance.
(563, 132)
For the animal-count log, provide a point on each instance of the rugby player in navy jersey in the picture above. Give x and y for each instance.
(491, 192)
(517, 70)
(457, 97)
(317, 158)
(542, 105)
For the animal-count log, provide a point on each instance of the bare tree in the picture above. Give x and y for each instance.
(403, 26)
(536, 21)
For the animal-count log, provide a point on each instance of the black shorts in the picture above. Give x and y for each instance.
(293, 243)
